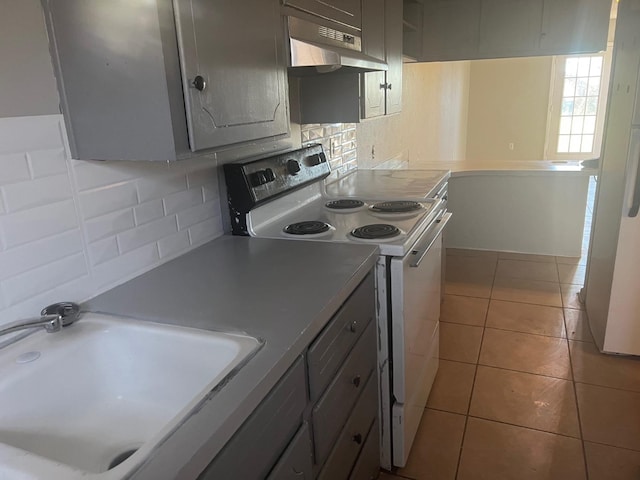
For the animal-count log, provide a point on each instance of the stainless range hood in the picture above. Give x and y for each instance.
(319, 49)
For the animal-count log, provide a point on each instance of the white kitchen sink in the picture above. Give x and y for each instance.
(94, 399)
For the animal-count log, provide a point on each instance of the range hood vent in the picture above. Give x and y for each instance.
(319, 49)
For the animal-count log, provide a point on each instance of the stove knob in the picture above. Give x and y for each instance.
(261, 177)
(293, 167)
(316, 159)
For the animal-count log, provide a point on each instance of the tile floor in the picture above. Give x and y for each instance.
(522, 392)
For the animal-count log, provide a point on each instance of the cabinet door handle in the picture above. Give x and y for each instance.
(388, 86)
(353, 326)
(357, 438)
(383, 86)
(199, 83)
(356, 381)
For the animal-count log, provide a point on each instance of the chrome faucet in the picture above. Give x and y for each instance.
(52, 319)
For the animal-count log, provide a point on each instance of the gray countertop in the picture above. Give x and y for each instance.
(282, 291)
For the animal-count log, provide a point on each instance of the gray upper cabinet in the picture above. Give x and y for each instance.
(234, 49)
(127, 75)
(345, 12)
(476, 29)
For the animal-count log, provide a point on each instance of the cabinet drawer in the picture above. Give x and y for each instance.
(333, 409)
(368, 464)
(296, 462)
(328, 351)
(258, 443)
(353, 435)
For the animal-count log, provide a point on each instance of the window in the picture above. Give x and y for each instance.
(577, 104)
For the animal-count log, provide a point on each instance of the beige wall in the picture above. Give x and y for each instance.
(433, 122)
(27, 84)
(508, 103)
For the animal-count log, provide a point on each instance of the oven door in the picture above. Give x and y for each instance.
(415, 311)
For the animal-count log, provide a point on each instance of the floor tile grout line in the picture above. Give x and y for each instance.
(475, 373)
(575, 395)
(618, 389)
(524, 371)
(506, 330)
(626, 449)
(527, 427)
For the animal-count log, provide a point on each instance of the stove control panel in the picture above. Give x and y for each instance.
(254, 182)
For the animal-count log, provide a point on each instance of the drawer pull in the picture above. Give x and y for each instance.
(356, 381)
(353, 326)
(357, 438)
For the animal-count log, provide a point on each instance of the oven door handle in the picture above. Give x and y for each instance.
(419, 253)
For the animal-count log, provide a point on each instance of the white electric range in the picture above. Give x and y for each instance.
(283, 196)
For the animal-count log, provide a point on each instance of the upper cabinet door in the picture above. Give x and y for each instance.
(574, 26)
(393, 35)
(510, 27)
(347, 12)
(451, 30)
(233, 70)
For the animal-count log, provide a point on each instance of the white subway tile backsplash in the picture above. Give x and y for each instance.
(197, 214)
(125, 267)
(23, 195)
(108, 199)
(14, 168)
(45, 163)
(338, 141)
(70, 229)
(147, 233)
(99, 174)
(41, 252)
(205, 231)
(177, 242)
(148, 211)
(211, 192)
(202, 176)
(33, 282)
(109, 225)
(103, 250)
(182, 200)
(34, 133)
(36, 223)
(158, 186)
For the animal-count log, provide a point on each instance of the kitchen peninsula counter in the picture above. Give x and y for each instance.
(283, 292)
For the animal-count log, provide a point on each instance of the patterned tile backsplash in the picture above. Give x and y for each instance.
(72, 229)
(339, 142)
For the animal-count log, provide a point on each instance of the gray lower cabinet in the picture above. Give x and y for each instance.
(330, 435)
(159, 80)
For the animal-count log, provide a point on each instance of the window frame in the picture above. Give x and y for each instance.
(555, 106)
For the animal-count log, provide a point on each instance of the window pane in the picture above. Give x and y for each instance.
(567, 106)
(569, 87)
(581, 87)
(589, 125)
(583, 66)
(578, 106)
(587, 144)
(596, 67)
(565, 125)
(575, 143)
(563, 143)
(571, 67)
(592, 106)
(576, 125)
(594, 86)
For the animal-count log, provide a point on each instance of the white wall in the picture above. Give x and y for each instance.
(432, 125)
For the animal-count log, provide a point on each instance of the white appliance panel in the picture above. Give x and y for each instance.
(415, 312)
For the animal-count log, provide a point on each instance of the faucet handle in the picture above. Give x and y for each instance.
(67, 311)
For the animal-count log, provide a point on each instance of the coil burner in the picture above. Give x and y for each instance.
(376, 231)
(312, 227)
(400, 206)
